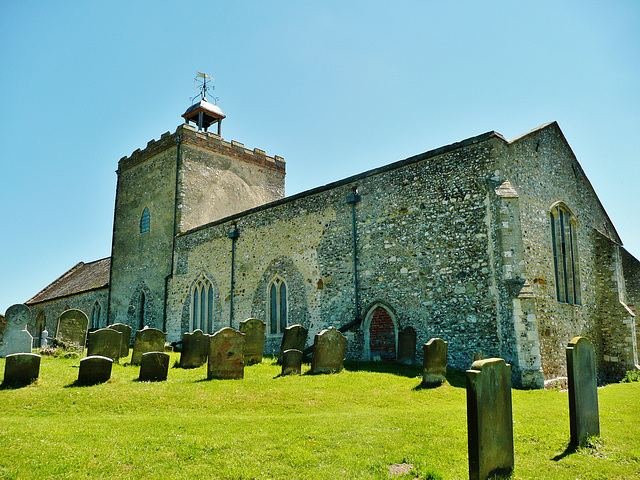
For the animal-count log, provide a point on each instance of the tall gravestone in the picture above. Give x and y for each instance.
(584, 417)
(73, 325)
(226, 354)
(154, 367)
(195, 349)
(21, 368)
(489, 419)
(106, 343)
(95, 369)
(434, 363)
(147, 340)
(294, 337)
(16, 338)
(329, 347)
(254, 340)
(126, 337)
(407, 346)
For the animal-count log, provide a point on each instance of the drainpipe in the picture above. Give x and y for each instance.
(353, 199)
(233, 235)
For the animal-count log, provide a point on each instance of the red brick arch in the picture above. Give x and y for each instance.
(381, 334)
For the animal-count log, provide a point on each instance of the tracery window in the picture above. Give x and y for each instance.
(202, 306)
(277, 306)
(95, 316)
(145, 221)
(565, 255)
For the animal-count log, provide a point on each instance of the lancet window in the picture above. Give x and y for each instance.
(565, 255)
(277, 306)
(145, 221)
(202, 306)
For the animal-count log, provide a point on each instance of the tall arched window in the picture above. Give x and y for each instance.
(277, 306)
(95, 316)
(202, 306)
(145, 221)
(141, 311)
(565, 254)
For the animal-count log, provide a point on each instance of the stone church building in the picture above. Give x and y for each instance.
(496, 246)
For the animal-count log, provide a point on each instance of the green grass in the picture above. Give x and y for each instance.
(348, 425)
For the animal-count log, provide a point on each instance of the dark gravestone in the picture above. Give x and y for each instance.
(291, 362)
(72, 327)
(489, 419)
(195, 349)
(226, 356)
(3, 325)
(21, 368)
(126, 337)
(154, 367)
(16, 338)
(329, 347)
(254, 341)
(407, 346)
(434, 363)
(147, 340)
(584, 417)
(294, 337)
(94, 370)
(105, 343)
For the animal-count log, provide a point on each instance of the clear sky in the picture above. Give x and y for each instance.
(334, 87)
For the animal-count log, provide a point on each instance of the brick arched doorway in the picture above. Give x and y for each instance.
(380, 334)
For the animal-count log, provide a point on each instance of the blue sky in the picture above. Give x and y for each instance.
(334, 87)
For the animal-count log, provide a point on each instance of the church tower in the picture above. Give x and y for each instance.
(179, 182)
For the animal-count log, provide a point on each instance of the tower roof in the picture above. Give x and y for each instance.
(210, 114)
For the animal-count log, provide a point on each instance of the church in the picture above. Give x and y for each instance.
(500, 247)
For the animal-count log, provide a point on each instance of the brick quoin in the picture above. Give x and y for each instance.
(382, 335)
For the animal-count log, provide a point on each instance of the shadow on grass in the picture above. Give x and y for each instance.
(455, 378)
(15, 385)
(567, 451)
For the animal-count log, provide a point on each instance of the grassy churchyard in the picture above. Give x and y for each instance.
(354, 424)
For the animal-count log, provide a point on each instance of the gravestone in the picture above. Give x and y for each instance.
(291, 362)
(489, 419)
(106, 343)
(21, 368)
(44, 338)
(72, 327)
(329, 347)
(3, 325)
(434, 363)
(195, 349)
(147, 340)
(407, 346)
(584, 417)
(126, 337)
(95, 369)
(226, 354)
(254, 341)
(154, 367)
(16, 338)
(294, 337)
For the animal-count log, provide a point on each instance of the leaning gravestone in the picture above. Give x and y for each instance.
(154, 367)
(294, 337)
(407, 346)
(16, 338)
(434, 363)
(21, 368)
(584, 417)
(195, 349)
(226, 357)
(329, 347)
(147, 340)
(489, 419)
(105, 342)
(254, 341)
(291, 362)
(126, 337)
(72, 327)
(95, 369)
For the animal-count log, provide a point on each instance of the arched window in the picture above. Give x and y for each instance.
(145, 221)
(202, 306)
(277, 306)
(565, 255)
(95, 316)
(141, 311)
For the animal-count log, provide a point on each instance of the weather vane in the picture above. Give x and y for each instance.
(203, 86)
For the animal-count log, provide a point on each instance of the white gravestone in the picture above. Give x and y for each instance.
(16, 338)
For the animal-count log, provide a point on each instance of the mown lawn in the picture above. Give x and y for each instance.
(348, 425)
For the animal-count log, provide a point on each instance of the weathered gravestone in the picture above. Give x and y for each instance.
(434, 363)
(154, 367)
(584, 418)
(291, 362)
(72, 327)
(294, 337)
(126, 337)
(195, 349)
(3, 325)
(95, 369)
(226, 357)
(407, 346)
(147, 340)
(106, 343)
(329, 347)
(16, 338)
(489, 419)
(254, 341)
(21, 368)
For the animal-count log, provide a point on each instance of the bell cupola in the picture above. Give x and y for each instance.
(202, 113)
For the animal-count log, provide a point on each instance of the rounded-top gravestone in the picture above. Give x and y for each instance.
(195, 349)
(126, 337)
(329, 347)
(73, 325)
(254, 330)
(226, 354)
(154, 367)
(294, 337)
(21, 368)
(95, 369)
(106, 343)
(16, 338)
(147, 340)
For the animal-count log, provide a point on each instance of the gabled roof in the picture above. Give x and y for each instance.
(83, 277)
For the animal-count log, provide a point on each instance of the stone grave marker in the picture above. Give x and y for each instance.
(254, 341)
(95, 369)
(434, 363)
(44, 338)
(72, 327)
(105, 342)
(126, 337)
(226, 354)
(489, 419)
(16, 338)
(195, 349)
(329, 347)
(21, 368)
(584, 417)
(291, 362)
(147, 340)
(407, 346)
(294, 337)
(154, 367)
(3, 325)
